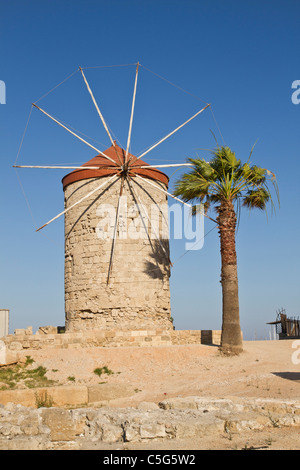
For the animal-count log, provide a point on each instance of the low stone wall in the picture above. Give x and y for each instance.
(191, 417)
(67, 395)
(47, 337)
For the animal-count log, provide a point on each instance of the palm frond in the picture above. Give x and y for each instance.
(256, 198)
(251, 151)
(198, 209)
(226, 178)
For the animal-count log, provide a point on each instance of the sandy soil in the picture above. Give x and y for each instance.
(266, 369)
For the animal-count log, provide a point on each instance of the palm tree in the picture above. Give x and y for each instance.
(227, 184)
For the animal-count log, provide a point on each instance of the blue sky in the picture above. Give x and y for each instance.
(241, 57)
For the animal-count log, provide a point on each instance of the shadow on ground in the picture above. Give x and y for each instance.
(295, 376)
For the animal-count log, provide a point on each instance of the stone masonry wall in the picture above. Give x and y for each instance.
(45, 338)
(137, 295)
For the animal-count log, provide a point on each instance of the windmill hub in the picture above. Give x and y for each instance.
(125, 169)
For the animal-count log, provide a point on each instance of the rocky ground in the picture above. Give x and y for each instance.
(266, 370)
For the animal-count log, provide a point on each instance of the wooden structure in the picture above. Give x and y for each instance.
(286, 328)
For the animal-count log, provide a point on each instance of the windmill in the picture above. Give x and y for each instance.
(113, 281)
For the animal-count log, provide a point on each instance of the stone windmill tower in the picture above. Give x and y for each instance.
(117, 263)
(116, 246)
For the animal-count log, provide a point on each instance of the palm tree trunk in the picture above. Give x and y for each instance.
(231, 338)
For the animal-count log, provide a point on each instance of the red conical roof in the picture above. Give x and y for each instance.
(117, 154)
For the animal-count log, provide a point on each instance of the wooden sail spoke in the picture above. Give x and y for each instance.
(132, 111)
(143, 222)
(78, 202)
(162, 166)
(173, 132)
(73, 133)
(149, 195)
(115, 233)
(171, 195)
(100, 114)
(59, 167)
(149, 220)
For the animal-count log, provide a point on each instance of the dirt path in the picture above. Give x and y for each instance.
(264, 370)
